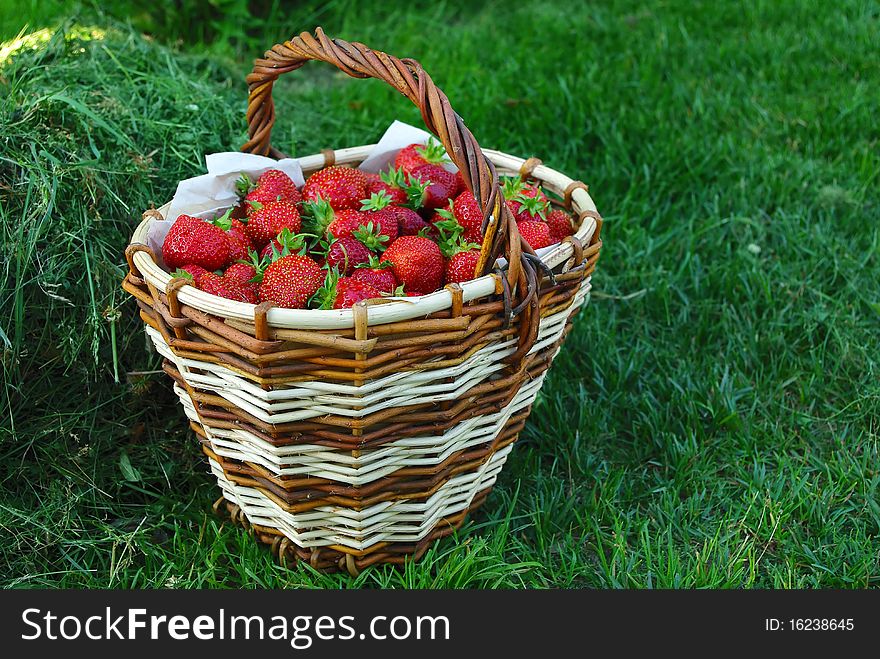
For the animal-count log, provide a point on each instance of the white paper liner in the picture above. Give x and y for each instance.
(397, 136)
(208, 195)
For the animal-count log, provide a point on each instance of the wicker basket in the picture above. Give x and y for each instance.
(352, 437)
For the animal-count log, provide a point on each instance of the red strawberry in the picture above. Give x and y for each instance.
(417, 263)
(467, 213)
(536, 233)
(415, 155)
(241, 272)
(526, 201)
(229, 288)
(290, 281)
(275, 179)
(378, 210)
(409, 223)
(192, 272)
(264, 222)
(351, 291)
(194, 241)
(462, 266)
(459, 183)
(239, 243)
(346, 253)
(560, 226)
(441, 186)
(272, 185)
(342, 292)
(346, 222)
(341, 187)
(376, 273)
(386, 182)
(462, 255)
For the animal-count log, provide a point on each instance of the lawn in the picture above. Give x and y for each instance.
(714, 418)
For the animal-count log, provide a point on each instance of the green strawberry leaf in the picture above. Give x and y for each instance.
(224, 221)
(433, 152)
(243, 185)
(376, 202)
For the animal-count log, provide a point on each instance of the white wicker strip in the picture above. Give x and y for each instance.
(393, 521)
(371, 464)
(302, 400)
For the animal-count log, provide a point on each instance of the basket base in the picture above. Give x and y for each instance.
(331, 560)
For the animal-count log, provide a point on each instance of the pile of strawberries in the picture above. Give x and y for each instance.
(348, 236)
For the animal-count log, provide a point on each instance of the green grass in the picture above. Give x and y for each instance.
(713, 420)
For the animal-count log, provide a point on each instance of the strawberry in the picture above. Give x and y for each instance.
(526, 201)
(264, 222)
(351, 291)
(415, 155)
(467, 213)
(462, 266)
(192, 272)
(409, 223)
(230, 288)
(560, 226)
(341, 187)
(241, 272)
(391, 183)
(346, 222)
(239, 243)
(461, 255)
(376, 273)
(271, 185)
(536, 233)
(459, 183)
(378, 210)
(345, 254)
(441, 185)
(320, 218)
(191, 241)
(290, 281)
(417, 263)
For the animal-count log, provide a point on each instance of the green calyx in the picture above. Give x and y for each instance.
(243, 185)
(375, 264)
(258, 263)
(511, 187)
(317, 215)
(416, 190)
(535, 206)
(451, 240)
(371, 237)
(433, 152)
(224, 221)
(376, 202)
(325, 297)
(395, 176)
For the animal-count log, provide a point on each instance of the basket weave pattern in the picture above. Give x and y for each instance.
(353, 437)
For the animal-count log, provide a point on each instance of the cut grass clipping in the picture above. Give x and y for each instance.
(713, 418)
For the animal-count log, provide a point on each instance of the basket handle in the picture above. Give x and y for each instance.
(409, 78)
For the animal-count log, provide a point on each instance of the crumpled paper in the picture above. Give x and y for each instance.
(397, 136)
(209, 195)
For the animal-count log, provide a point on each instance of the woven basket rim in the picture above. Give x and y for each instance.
(377, 314)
